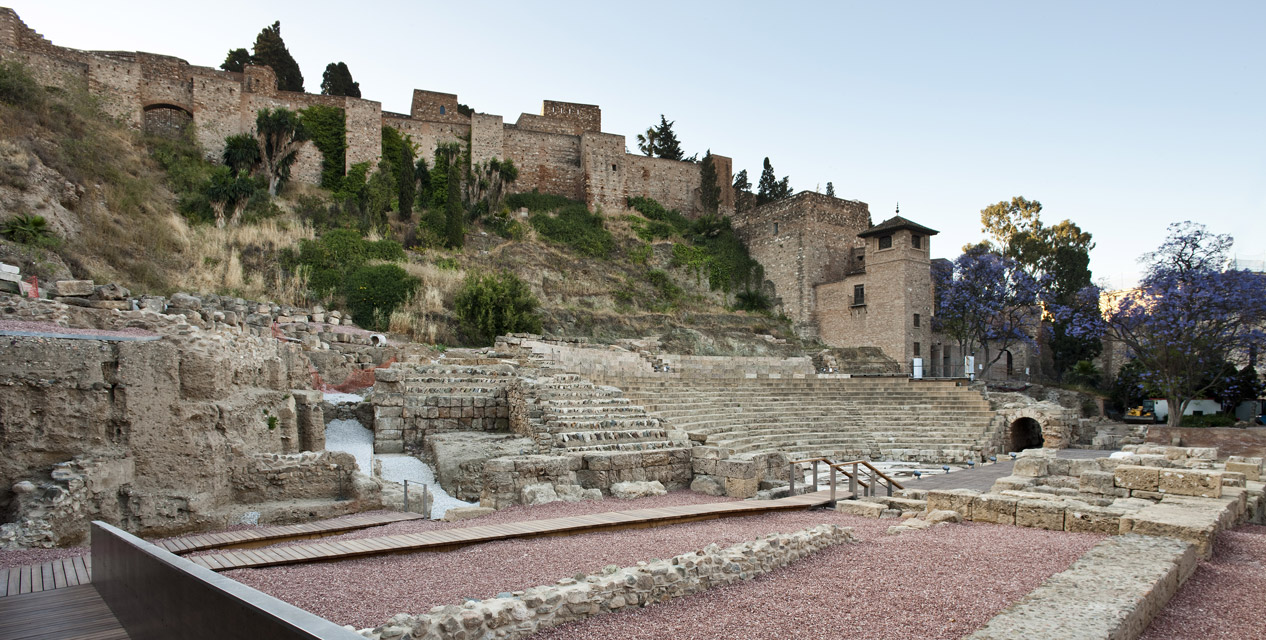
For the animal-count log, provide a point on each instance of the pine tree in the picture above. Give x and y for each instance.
(744, 199)
(830, 189)
(666, 143)
(271, 50)
(784, 189)
(407, 183)
(337, 81)
(709, 190)
(767, 189)
(236, 60)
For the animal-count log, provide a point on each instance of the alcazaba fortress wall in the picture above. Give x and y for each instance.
(562, 151)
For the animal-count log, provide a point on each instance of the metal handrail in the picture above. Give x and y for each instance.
(854, 477)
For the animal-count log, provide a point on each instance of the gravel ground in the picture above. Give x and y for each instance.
(931, 569)
(21, 557)
(352, 437)
(1225, 597)
(334, 397)
(49, 327)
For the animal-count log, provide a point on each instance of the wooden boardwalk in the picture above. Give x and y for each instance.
(263, 536)
(447, 539)
(69, 572)
(73, 613)
(34, 578)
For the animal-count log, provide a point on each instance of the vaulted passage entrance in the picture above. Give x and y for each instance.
(1026, 433)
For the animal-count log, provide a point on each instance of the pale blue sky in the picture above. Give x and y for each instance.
(1123, 116)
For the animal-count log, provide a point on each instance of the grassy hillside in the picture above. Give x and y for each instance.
(121, 207)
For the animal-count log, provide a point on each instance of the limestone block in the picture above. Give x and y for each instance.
(1097, 482)
(1031, 467)
(1084, 518)
(1250, 467)
(631, 490)
(741, 487)
(110, 292)
(1191, 482)
(1152, 496)
(959, 500)
(860, 508)
(1137, 478)
(990, 507)
(1013, 483)
(704, 466)
(466, 513)
(1233, 479)
(733, 468)
(1040, 514)
(73, 288)
(708, 484)
(539, 493)
(906, 505)
(937, 517)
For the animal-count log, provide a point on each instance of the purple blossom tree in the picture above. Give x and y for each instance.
(1188, 316)
(987, 302)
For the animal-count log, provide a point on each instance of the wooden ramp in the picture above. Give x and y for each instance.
(453, 538)
(69, 572)
(73, 613)
(263, 536)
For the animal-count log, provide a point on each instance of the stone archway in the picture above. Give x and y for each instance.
(1025, 433)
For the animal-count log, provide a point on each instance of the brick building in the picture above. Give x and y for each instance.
(562, 151)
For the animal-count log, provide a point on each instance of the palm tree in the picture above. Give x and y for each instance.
(646, 142)
(279, 135)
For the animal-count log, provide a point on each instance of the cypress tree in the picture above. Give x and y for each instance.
(830, 189)
(423, 176)
(407, 183)
(454, 234)
(271, 50)
(767, 188)
(709, 190)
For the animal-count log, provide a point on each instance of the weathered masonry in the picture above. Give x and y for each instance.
(562, 151)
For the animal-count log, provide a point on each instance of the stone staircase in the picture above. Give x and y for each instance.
(876, 418)
(569, 414)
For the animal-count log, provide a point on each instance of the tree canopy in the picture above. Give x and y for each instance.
(660, 141)
(1188, 316)
(337, 81)
(279, 134)
(236, 60)
(987, 301)
(770, 188)
(271, 50)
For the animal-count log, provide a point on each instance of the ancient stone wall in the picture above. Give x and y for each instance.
(803, 241)
(674, 184)
(547, 162)
(487, 138)
(572, 599)
(311, 475)
(433, 106)
(506, 478)
(583, 117)
(427, 135)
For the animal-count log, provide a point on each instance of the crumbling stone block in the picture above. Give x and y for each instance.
(1137, 478)
(741, 487)
(1250, 467)
(1032, 467)
(708, 484)
(1084, 518)
(860, 508)
(1097, 482)
(1191, 482)
(991, 507)
(73, 288)
(959, 500)
(1040, 514)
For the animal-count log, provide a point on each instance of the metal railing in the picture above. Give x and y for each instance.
(859, 473)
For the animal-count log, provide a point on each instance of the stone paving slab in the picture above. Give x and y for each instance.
(1111, 592)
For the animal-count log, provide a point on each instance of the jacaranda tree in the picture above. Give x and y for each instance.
(1188, 316)
(987, 302)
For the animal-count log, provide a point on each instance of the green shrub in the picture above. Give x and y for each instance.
(653, 230)
(537, 201)
(668, 293)
(448, 264)
(1084, 374)
(336, 254)
(752, 300)
(1214, 420)
(507, 227)
(18, 88)
(490, 305)
(373, 292)
(577, 228)
(653, 210)
(641, 254)
(31, 230)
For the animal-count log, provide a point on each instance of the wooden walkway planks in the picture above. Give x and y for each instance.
(271, 535)
(55, 574)
(74, 612)
(451, 538)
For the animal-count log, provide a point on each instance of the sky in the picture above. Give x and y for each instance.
(1121, 116)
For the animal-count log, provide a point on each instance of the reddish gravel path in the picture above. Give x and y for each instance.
(22, 557)
(1225, 598)
(939, 583)
(924, 575)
